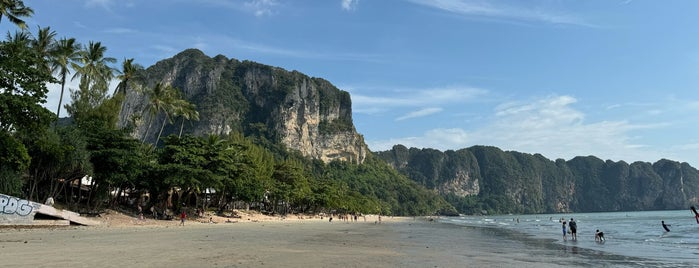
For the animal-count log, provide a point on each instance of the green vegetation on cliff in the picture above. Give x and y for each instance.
(483, 179)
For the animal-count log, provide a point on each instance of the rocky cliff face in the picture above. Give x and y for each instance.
(306, 114)
(524, 183)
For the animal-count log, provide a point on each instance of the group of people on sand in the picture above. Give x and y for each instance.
(572, 229)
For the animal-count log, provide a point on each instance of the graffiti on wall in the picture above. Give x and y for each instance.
(14, 205)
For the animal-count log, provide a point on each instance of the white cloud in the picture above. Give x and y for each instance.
(414, 97)
(99, 3)
(120, 31)
(258, 8)
(261, 7)
(79, 25)
(497, 10)
(550, 126)
(350, 4)
(419, 113)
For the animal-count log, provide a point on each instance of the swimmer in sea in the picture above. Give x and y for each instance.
(665, 226)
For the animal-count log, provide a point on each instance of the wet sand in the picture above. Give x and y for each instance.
(403, 242)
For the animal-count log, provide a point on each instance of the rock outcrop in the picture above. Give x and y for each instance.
(513, 182)
(306, 114)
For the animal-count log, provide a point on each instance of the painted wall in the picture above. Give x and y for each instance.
(14, 210)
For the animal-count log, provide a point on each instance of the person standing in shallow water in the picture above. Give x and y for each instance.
(565, 236)
(573, 229)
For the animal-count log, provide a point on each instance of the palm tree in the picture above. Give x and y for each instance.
(167, 99)
(157, 100)
(13, 10)
(129, 70)
(172, 103)
(187, 111)
(93, 69)
(95, 74)
(20, 38)
(44, 44)
(66, 52)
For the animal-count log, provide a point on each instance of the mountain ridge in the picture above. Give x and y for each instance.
(485, 178)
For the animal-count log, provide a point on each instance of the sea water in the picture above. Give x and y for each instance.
(632, 238)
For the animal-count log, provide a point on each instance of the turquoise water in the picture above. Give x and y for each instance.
(632, 238)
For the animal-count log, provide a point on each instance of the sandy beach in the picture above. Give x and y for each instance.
(260, 242)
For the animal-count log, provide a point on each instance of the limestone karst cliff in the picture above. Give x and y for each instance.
(306, 114)
(483, 178)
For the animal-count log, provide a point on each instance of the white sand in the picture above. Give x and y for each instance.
(404, 242)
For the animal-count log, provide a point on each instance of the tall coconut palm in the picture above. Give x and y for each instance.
(67, 50)
(95, 74)
(158, 98)
(13, 10)
(128, 71)
(187, 111)
(93, 69)
(173, 102)
(44, 44)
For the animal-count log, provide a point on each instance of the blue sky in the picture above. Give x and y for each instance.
(612, 78)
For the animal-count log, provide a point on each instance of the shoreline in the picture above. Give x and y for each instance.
(277, 242)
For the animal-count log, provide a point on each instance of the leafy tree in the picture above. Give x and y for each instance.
(116, 159)
(250, 172)
(59, 157)
(22, 91)
(14, 160)
(291, 186)
(23, 88)
(13, 10)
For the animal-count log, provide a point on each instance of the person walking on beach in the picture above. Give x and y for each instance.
(565, 236)
(665, 226)
(573, 229)
(183, 216)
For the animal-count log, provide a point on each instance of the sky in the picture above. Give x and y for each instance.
(616, 79)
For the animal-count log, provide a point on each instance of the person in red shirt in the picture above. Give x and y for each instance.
(183, 216)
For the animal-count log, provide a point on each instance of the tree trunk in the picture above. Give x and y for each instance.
(150, 122)
(181, 127)
(161, 131)
(60, 99)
